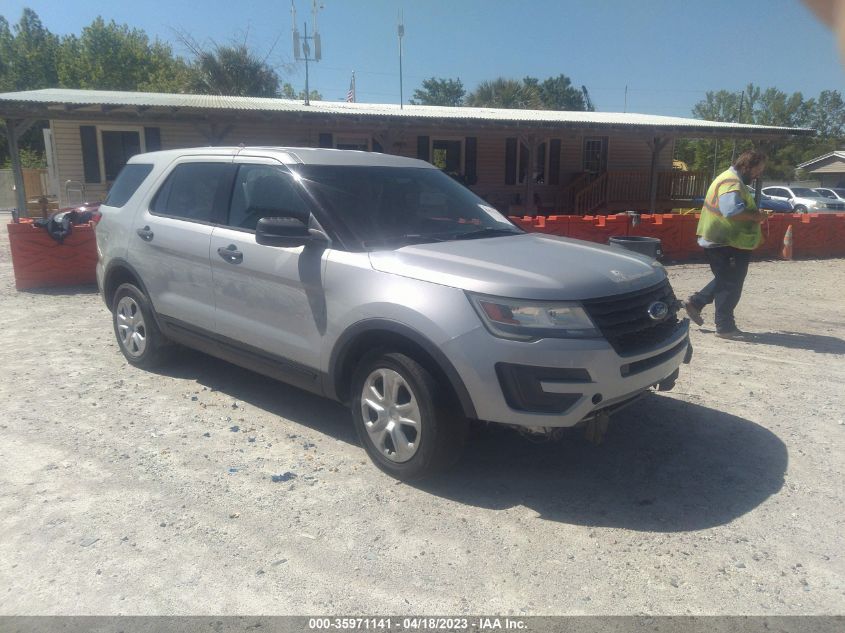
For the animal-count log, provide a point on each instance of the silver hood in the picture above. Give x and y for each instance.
(529, 266)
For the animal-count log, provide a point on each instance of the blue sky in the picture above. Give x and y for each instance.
(669, 53)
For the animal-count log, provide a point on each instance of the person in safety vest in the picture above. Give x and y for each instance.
(729, 229)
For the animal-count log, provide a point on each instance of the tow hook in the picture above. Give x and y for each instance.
(596, 428)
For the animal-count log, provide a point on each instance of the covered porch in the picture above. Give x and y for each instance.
(524, 162)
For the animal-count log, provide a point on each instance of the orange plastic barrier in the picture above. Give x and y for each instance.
(675, 232)
(526, 223)
(557, 225)
(815, 235)
(39, 261)
(773, 231)
(599, 228)
(838, 239)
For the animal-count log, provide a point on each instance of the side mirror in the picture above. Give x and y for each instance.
(286, 231)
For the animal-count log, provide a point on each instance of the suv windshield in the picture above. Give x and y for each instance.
(804, 192)
(387, 207)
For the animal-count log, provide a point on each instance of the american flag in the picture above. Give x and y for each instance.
(350, 94)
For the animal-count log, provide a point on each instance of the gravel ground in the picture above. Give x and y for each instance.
(129, 492)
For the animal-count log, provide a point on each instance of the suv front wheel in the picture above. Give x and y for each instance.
(407, 423)
(138, 336)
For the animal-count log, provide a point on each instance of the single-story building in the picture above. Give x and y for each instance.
(829, 169)
(521, 161)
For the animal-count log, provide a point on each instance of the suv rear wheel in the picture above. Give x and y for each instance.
(138, 336)
(404, 418)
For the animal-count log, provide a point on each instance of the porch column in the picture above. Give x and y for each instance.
(656, 144)
(531, 144)
(14, 129)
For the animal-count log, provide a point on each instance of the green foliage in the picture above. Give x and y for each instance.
(506, 93)
(554, 93)
(28, 54)
(288, 92)
(771, 106)
(110, 56)
(439, 92)
(30, 159)
(232, 70)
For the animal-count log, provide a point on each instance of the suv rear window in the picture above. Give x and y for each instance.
(195, 191)
(127, 183)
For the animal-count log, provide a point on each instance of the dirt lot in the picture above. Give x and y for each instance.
(125, 491)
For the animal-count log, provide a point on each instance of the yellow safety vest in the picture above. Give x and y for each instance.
(715, 228)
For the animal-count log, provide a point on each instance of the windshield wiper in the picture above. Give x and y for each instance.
(488, 232)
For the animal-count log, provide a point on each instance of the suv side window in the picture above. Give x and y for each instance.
(195, 191)
(127, 183)
(263, 191)
(777, 192)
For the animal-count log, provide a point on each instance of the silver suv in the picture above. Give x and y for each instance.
(380, 282)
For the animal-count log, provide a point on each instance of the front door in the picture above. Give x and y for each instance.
(270, 299)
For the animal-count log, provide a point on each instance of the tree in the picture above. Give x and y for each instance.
(27, 58)
(288, 92)
(771, 106)
(110, 56)
(439, 92)
(558, 93)
(231, 70)
(506, 93)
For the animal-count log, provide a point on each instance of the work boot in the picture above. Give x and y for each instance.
(733, 335)
(693, 312)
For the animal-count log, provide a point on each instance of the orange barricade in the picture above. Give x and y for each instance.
(525, 223)
(815, 235)
(838, 239)
(812, 235)
(675, 232)
(599, 228)
(773, 231)
(39, 261)
(557, 225)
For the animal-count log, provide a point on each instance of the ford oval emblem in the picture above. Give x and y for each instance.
(658, 311)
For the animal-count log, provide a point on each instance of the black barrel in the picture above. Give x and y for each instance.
(646, 245)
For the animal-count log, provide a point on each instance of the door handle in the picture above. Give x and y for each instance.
(145, 234)
(231, 254)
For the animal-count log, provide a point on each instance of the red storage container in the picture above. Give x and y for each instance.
(39, 261)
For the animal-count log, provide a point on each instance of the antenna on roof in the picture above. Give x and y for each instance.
(301, 47)
(400, 29)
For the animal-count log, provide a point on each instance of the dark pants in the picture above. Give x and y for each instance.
(729, 266)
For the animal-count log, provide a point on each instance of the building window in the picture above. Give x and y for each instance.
(446, 155)
(540, 166)
(360, 143)
(595, 154)
(117, 146)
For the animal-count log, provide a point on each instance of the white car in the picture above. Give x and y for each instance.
(836, 194)
(805, 200)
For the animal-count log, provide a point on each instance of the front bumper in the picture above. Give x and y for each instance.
(557, 382)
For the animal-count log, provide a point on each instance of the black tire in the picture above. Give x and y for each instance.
(442, 427)
(800, 209)
(156, 348)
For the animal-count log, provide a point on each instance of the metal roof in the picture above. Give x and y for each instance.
(79, 99)
(835, 154)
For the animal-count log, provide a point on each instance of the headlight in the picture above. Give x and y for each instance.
(525, 320)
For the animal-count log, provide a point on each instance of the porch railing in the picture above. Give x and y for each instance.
(614, 188)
